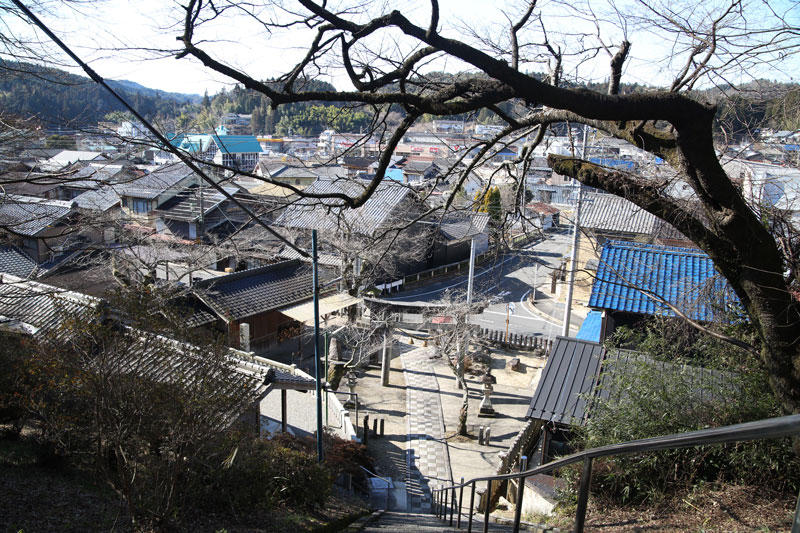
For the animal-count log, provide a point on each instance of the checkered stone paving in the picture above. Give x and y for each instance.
(428, 458)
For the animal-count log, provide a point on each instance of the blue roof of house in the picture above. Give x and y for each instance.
(395, 174)
(175, 139)
(237, 144)
(632, 277)
(614, 163)
(591, 327)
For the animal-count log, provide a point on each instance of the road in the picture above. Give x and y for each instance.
(505, 284)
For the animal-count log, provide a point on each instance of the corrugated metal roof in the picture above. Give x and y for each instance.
(570, 374)
(631, 274)
(304, 312)
(607, 212)
(591, 327)
(237, 144)
(332, 214)
(613, 163)
(707, 385)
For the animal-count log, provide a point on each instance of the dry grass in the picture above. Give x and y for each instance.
(710, 508)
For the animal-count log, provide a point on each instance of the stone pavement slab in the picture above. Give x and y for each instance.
(427, 449)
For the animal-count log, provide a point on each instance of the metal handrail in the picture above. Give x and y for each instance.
(389, 484)
(761, 429)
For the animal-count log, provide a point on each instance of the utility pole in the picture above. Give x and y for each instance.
(317, 360)
(508, 310)
(574, 253)
(471, 272)
(202, 228)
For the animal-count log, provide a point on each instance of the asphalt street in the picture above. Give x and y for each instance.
(504, 284)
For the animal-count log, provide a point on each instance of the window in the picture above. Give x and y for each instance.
(139, 206)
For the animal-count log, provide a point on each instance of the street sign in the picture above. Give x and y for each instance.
(511, 307)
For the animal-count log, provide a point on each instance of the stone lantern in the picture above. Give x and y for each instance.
(486, 408)
(351, 384)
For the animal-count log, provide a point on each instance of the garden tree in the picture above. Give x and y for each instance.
(491, 202)
(710, 44)
(150, 407)
(452, 344)
(155, 417)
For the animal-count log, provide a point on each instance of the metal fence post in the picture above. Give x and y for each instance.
(460, 503)
(452, 503)
(523, 465)
(583, 495)
(486, 506)
(471, 508)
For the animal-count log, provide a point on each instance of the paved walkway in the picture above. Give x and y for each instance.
(428, 459)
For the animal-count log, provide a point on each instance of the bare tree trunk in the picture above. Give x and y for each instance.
(464, 412)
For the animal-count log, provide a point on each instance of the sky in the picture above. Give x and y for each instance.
(131, 40)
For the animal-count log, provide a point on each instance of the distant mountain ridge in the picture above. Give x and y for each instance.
(132, 86)
(58, 98)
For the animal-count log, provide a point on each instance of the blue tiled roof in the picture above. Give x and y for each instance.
(632, 276)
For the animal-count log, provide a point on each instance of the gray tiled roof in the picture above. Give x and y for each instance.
(707, 385)
(14, 261)
(418, 167)
(28, 216)
(318, 172)
(607, 212)
(186, 205)
(28, 183)
(32, 308)
(42, 306)
(100, 199)
(250, 292)
(156, 182)
(332, 214)
(457, 227)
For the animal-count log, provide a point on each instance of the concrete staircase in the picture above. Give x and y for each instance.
(424, 523)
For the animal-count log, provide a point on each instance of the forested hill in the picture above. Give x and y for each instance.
(60, 99)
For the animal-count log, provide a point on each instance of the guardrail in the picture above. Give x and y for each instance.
(445, 501)
(451, 268)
